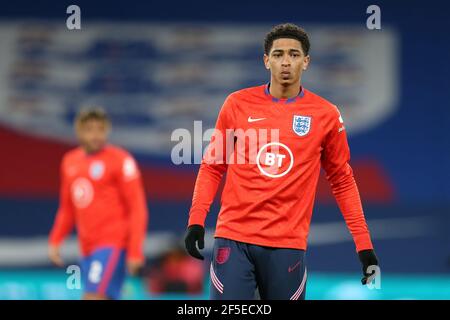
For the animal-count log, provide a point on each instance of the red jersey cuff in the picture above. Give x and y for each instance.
(197, 217)
(363, 242)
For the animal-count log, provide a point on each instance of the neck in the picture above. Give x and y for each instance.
(281, 91)
(91, 152)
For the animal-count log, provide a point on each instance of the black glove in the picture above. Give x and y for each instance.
(367, 258)
(194, 234)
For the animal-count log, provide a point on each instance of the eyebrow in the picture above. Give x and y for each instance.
(281, 50)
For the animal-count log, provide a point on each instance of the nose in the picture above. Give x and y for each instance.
(286, 62)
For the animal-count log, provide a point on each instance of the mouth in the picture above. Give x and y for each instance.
(285, 74)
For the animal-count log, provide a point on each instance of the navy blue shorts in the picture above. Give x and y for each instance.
(103, 272)
(241, 271)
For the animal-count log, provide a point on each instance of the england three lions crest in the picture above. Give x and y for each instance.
(301, 125)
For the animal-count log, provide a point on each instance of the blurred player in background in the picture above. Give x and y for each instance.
(102, 195)
(267, 202)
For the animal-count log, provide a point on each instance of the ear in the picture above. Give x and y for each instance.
(266, 61)
(306, 62)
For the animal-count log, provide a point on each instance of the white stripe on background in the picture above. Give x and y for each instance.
(33, 251)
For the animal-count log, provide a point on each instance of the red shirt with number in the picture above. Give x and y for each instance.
(102, 195)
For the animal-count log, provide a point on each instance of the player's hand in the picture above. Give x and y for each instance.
(134, 266)
(54, 255)
(367, 258)
(195, 234)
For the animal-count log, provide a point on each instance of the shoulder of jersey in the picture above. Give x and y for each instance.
(322, 103)
(248, 93)
(125, 162)
(73, 154)
(117, 152)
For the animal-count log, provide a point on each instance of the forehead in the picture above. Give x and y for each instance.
(93, 122)
(286, 44)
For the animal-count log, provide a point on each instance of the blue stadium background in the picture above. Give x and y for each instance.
(402, 158)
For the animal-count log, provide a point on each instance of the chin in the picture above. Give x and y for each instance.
(286, 82)
(95, 148)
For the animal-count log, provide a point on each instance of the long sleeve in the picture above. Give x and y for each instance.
(132, 190)
(214, 165)
(335, 161)
(65, 218)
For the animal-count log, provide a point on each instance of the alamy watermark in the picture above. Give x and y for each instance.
(73, 281)
(73, 21)
(233, 146)
(373, 22)
(94, 275)
(374, 280)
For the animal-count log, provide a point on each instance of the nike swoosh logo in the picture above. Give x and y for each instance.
(290, 269)
(250, 119)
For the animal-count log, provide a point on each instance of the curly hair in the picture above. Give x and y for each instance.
(287, 30)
